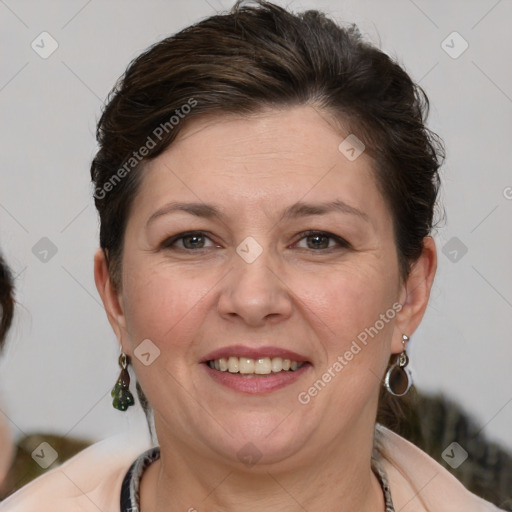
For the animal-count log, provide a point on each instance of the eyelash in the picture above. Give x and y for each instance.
(169, 243)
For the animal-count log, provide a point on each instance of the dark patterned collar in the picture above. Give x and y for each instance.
(131, 483)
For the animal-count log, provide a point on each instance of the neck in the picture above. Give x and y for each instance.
(340, 479)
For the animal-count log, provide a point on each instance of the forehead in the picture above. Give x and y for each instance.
(261, 161)
(302, 135)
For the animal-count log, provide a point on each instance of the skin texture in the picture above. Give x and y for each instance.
(315, 301)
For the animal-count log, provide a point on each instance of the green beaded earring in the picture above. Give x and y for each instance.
(121, 393)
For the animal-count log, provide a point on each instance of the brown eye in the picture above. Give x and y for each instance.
(192, 240)
(318, 240)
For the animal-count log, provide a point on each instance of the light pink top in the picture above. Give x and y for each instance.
(91, 480)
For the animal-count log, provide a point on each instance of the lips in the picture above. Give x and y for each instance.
(246, 370)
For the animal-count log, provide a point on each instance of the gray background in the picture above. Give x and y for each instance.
(61, 359)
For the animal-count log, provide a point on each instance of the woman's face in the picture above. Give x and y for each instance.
(249, 283)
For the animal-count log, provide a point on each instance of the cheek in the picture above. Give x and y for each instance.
(159, 303)
(349, 301)
(353, 335)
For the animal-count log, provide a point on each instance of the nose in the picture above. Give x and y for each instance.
(254, 292)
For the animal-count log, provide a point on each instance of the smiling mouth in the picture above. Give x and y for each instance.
(260, 366)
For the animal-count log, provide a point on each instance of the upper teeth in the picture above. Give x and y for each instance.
(245, 365)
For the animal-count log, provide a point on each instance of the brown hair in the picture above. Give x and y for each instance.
(259, 56)
(6, 301)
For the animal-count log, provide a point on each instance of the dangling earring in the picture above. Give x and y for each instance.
(398, 379)
(121, 393)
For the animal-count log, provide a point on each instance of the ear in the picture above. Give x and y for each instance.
(112, 301)
(415, 293)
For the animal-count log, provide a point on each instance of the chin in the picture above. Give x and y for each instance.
(259, 439)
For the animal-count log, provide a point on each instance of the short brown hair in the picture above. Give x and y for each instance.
(258, 56)
(6, 301)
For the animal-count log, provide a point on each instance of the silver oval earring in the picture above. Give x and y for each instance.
(398, 378)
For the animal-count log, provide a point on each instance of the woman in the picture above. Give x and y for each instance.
(6, 315)
(266, 186)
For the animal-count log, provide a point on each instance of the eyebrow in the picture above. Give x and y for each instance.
(297, 210)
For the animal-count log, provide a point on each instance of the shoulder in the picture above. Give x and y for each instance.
(418, 482)
(91, 480)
